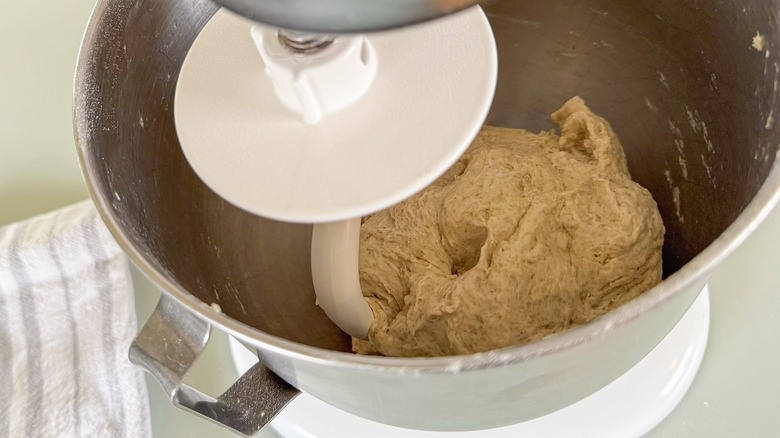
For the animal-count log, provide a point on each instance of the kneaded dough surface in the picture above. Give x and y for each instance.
(525, 236)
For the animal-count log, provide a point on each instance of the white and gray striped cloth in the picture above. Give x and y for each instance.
(66, 322)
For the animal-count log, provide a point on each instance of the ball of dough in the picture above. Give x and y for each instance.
(525, 236)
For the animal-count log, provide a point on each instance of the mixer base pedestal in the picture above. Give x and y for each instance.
(628, 407)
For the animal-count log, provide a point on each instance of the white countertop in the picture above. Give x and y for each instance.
(737, 390)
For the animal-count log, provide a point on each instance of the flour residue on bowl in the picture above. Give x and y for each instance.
(675, 195)
(758, 42)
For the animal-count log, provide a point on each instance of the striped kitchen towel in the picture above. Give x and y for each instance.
(66, 322)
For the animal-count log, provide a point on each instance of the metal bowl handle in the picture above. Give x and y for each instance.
(169, 344)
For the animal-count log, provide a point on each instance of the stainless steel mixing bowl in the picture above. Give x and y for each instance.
(692, 101)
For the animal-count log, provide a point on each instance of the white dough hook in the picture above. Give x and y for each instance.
(329, 136)
(334, 270)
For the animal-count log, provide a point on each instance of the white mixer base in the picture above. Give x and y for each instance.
(628, 407)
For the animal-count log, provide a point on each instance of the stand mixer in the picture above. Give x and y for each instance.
(339, 127)
(658, 87)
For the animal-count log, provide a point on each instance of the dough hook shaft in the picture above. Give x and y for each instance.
(334, 270)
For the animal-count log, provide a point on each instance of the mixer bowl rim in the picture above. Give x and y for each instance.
(692, 272)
